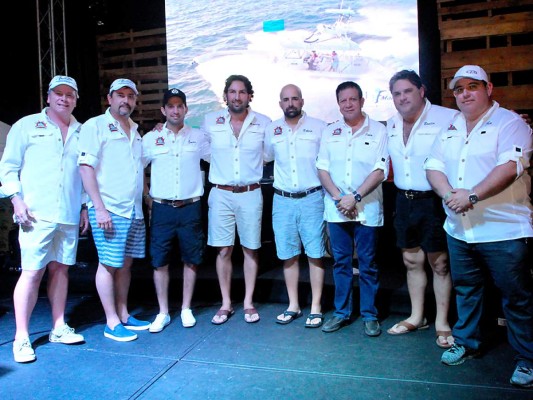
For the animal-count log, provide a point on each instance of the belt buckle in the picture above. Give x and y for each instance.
(239, 189)
(409, 195)
(176, 203)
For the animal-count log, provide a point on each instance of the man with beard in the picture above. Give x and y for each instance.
(113, 176)
(352, 163)
(236, 135)
(40, 175)
(298, 205)
(176, 186)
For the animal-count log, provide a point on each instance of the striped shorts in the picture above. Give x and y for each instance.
(126, 239)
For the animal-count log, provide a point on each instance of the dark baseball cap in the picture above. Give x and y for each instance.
(174, 92)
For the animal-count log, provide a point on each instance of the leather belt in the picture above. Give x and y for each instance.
(176, 203)
(417, 194)
(297, 195)
(238, 188)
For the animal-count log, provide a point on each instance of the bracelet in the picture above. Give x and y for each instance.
(146, 196)
(84, 206)
(447, 195)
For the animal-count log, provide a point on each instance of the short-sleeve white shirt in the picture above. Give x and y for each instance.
(294, 153)
(499, 137)
(175, 172)
(37, 164)
(235, 161)
(117, 162)
(349, 159)
(408, 159)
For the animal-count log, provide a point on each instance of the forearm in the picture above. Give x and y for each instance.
(371, 182)
(496, 181)
(439, 182)
(88, 177)
(328, 185)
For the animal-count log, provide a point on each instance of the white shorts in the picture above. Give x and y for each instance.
(47, 241)
(227, 209)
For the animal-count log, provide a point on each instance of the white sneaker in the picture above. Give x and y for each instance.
(22, 351)
(187, 319)
(65, 334)
(160, 321)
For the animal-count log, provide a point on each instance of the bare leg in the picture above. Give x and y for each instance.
(251, 265)
(122, 287)
(25, 298)
(291, 271)
(224, 271)
(414, 260)
(57, 291)
(189, 280)
(316, 273)
(105, 277)
(161, 279)
(442, 286)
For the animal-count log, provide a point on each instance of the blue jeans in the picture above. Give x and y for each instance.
(342, 237)
(508, 266)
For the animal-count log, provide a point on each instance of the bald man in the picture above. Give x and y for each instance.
(298, 206)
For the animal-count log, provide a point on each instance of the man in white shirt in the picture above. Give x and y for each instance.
(113, 176)
(298, 206)
(176, 186)
(236, 135)
(39, 173)
(418, 214)
(352, 163)
(478, 166)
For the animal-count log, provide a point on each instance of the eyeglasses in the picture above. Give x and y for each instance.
(471, 87)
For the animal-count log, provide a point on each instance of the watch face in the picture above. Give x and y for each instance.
(473, 198)
(358, 197)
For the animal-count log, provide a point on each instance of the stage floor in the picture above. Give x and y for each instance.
(237, 360)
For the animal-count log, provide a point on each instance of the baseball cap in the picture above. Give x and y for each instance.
(469, 71)
(122, 82)
(63, 80)
(174, 92)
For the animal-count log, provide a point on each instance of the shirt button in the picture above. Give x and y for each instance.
(407, 158)
(460, 179)
(349, 159)
(466, 142)
(463, 160)
(406, 174)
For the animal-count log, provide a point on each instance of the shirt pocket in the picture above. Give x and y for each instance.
(309, 144)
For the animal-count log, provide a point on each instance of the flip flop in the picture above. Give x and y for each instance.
(292, 316)
(248, 312)
(222, 313)
(409, 327)
(311, 317)
(445, 335)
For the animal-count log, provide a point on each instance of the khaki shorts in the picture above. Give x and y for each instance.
(227, 209)
(46, 241)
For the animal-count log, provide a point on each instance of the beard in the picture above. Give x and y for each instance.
(292, 112)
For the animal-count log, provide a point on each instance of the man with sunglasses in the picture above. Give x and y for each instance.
(479, 168)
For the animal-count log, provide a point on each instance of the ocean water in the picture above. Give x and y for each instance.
(209, 40)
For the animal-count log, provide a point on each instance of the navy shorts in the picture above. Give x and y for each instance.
(169, 223)
(419, 223)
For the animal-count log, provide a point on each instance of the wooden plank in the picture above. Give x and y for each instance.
(159, 54)
(132, 34)
(477, 27)
(489, 5)
(500, 59)
(134, 44)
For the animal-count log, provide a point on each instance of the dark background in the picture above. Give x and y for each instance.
(85, 19)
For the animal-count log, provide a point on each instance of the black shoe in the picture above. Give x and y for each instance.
(372, 328)
(333, 324)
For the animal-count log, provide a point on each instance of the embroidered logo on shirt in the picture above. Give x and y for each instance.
(278, 131)
(160, 141)
(308, 130)
(40, 125)
(429, 123)
(452, 128)
(113, 128)
(337, 132)
(220, 121)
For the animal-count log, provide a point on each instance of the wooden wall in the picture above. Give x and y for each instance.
(139, 56)
(495, 34)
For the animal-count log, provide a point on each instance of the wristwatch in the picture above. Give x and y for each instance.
(472, 197)
(356, 196)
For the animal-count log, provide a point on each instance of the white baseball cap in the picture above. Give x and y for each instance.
(469, 71)
(122, 82)
(63, 80)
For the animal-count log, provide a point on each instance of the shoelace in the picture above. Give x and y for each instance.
(525, 370)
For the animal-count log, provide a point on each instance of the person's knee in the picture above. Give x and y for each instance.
(439, 263)
(225, 252)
